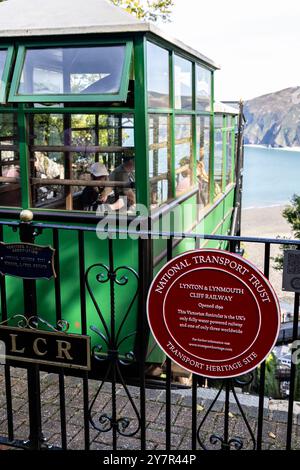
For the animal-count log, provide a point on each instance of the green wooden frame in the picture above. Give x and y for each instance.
(172, 112)
(6, 72)
(121, 96)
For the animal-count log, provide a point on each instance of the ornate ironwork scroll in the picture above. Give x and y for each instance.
(108, 350)
(226, 442)
(35, 322)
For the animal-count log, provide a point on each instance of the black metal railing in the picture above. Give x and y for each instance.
(123, 375)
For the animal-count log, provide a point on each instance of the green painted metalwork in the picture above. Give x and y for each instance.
(233, 148)
(224, 138)
(77, 110)
(194, 124)
(24, 158)
(70, 98)
(141, 122)
(212, 145)
(172, 123)
(6, 72)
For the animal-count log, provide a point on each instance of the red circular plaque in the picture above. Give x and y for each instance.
(213, 313)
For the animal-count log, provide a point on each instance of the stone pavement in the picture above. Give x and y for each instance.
(274, 429)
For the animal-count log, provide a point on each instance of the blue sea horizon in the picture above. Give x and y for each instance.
(271, 176)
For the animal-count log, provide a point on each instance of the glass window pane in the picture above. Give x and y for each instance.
(3, 55)
(159, 160)
(203, 149)
(10, 191)
(203, 88)
(183, 154)
(72, 70)
(48, 129)
(86, 147)
(218, 155)
(183, 83)
(157, 76)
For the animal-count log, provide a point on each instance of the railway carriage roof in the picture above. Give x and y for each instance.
(19, 18)
(224, 108)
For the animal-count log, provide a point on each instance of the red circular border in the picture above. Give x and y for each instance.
(265, 340)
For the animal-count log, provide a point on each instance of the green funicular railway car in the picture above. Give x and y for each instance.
(88, 92)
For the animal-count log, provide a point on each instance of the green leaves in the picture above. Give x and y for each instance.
(149, 10)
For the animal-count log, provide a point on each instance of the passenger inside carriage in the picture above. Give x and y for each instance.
(105, 198)
(124, 173)
(94, 196)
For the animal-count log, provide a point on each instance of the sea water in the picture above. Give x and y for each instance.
(271, 176)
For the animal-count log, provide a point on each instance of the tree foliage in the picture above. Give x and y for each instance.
(292, 215)
(150, 10)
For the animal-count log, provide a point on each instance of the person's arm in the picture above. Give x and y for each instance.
(118, 205)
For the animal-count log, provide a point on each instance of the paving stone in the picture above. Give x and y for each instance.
(50, 428)
(185, 444)
(55, 441)
(153, 394)
(18, 403)
(176, 398)
(104, 438)
(76, 417)
(279, 416)
(161, 418)
(269, 429)
(159, 436)
(99, 446)
(17, 372)
(133, 391)
(22, 431)
(78, 442)
(128, 443)
(48, 412)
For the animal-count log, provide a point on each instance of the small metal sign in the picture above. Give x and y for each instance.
(27, 260)
(46, 347)
(291, 271)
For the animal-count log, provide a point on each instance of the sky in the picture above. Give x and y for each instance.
(256, 43)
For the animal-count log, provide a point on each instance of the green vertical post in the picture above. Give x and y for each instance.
(212, 143)
(24, 160)
(194, 123)
(233, 154)
(172, 123)
(224, 153)
(141, 122)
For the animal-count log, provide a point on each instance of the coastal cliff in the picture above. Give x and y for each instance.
(274, 119)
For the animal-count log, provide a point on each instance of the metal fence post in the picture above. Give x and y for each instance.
(27, 235)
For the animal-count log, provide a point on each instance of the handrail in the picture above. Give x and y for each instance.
(155, 233)
(70, 182)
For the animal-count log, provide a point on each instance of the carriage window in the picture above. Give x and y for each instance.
(82, 161)
(218, 155)
(89, 71)
(10, 193)
(203, 88)
(183, 154)
(183, 83)
(157, 76)
(203, 150)
(159, 159)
